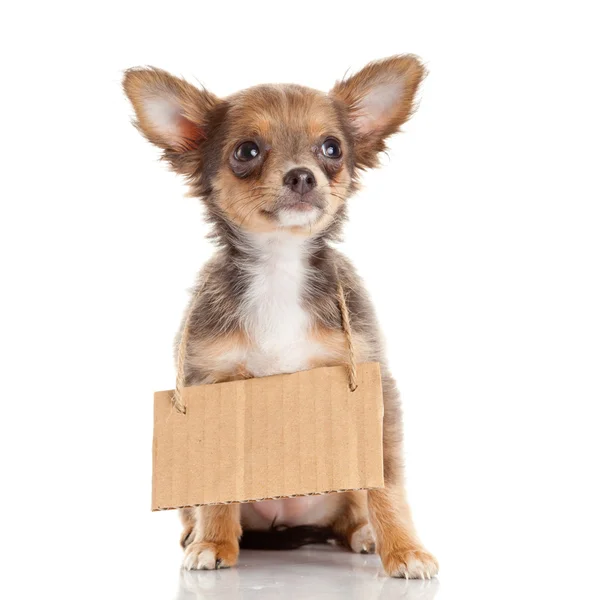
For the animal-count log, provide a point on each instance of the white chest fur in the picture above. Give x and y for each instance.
(272, 311)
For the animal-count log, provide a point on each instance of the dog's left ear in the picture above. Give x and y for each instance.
(379, 99)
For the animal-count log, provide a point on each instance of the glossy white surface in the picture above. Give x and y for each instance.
(311, 573)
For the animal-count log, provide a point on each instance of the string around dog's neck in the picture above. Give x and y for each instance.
(178, 402)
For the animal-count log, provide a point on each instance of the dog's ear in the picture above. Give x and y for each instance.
(379, 99)
(170, 112)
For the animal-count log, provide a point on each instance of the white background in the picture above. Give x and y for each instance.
(478, 239)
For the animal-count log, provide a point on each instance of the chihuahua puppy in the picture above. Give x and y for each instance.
(274, 166)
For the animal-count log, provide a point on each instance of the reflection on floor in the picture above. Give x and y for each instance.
(313, 572)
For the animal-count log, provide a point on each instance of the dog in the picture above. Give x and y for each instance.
(275, 166)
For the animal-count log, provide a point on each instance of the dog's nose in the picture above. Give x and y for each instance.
(300, 180)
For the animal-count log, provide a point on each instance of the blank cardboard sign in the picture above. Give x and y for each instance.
(269, 437)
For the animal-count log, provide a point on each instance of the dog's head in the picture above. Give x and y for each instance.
(275, 156)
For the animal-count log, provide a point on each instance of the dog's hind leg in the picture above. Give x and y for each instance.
(188, 521)
(351, 525)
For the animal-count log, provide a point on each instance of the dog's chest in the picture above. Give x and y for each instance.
(275, 317)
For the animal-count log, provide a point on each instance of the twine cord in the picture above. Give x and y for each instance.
(180, 378)
(178, 403)
(347, 329)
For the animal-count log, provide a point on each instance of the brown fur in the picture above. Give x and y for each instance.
(288, 123)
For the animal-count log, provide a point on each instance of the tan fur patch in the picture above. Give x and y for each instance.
(206, 356)
(336, 344)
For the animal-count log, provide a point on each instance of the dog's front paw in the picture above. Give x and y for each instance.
(211, 555)
(415, 563)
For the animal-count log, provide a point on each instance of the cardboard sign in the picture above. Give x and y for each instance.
(269, 437)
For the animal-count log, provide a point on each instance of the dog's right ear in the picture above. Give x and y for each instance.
(379, 99)
(170, 112)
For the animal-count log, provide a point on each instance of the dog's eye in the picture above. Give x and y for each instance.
(246, 151)
(331, 148)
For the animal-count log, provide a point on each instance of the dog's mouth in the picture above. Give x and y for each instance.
(295, 214)
(308, 206)
(301, 206)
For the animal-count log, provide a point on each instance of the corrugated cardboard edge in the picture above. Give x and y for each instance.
(160, 508)
(250, 500)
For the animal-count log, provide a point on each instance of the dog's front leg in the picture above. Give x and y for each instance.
(215, 543)
(401, 552)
